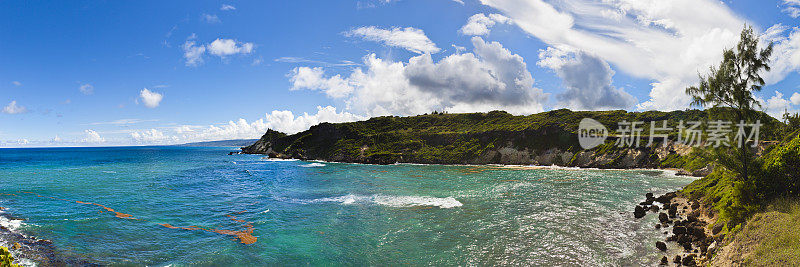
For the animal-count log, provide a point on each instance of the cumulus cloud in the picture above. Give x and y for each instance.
(480, 24)
(227, 47)
(210, 18)
(149, 98)
(776, 105)
(796, 98)
(313, 78)
(668, 42)
(587, 80)
(152, 136)
(226, 7)
(86, 89)
(92, 137)
(193, 52)
(408, 38)
(490, 78)
(279, 120)
(13, 108)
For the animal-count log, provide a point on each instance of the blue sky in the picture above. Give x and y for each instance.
(97, 73)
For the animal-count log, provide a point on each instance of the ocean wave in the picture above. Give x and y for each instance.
(311, 165)
(11, 224)
(389, 201)
(277, 159)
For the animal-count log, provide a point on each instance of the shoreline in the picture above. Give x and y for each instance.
(688, 228)
(28, 250)
(674, 171)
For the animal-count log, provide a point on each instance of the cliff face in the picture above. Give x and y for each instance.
(496, 137)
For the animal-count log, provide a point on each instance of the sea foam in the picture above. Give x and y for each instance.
(311, 165)
(12, 225)
(390, 201)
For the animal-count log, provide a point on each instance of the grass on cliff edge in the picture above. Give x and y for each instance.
(5, 258)
(770, 238)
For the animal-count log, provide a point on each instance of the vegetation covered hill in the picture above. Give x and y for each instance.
(756, 218)
(480, 138)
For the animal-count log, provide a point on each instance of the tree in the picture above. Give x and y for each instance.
(732, 84)
(792, 121)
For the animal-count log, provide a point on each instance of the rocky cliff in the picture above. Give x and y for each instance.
(496, 137)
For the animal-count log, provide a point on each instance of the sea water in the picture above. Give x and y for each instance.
(184, 206)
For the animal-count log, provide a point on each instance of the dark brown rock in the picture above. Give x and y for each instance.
(662, 217)
(679, 230)
(661, 246)
(677, 259)
(689, 260)
(666, 198)
(639, 212)
(717, 228)
(654, 208)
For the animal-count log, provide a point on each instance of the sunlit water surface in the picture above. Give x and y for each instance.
(174, 205)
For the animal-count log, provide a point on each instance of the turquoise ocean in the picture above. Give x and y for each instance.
(179, 206)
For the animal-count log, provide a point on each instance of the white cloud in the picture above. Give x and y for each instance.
(776, 106)
(317, 62)
(227, 47)
(587, 80)
(151, 136)
(16, 83)
(92, 137)
(459, 1)
(480, 24)
(408, 38)
(193, 53)
(226, 7)
(285, 121)
(786, 55)
(792, 7)
(668, 42)
(149, 98)
(279, 120)
(122, 122)
(796, 98)
(312, 78)
(86, 89)
(13, 108)
(210, 18)
(490, 78)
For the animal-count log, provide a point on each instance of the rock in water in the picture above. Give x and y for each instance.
(677, 259)
(654, 208)
(662, 217)
(664, 260)
(638, 212)
(661, 246)
(688, 260)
